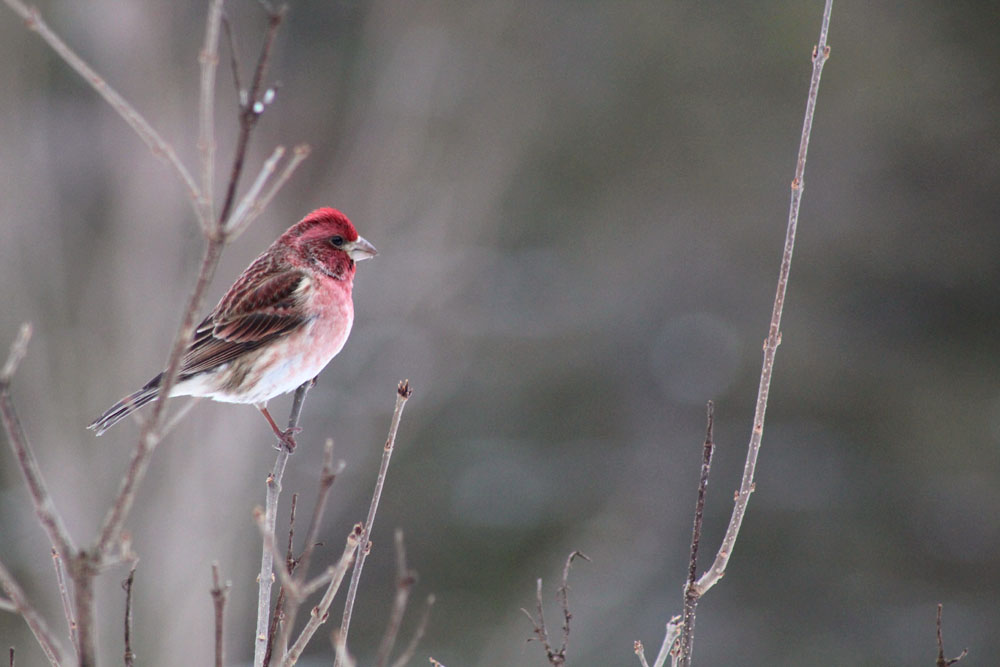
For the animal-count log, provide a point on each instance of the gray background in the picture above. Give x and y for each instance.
(579, 209)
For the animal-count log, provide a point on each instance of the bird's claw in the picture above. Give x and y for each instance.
(286, 439)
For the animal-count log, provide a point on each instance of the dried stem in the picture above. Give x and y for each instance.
(555, 656)
(160, 148)
(35, 622)
(690, 594)
(321, 611)
(820, 54)
(209, 59)
(219, 593)
(265, 579)
(405, 579)
(250, 113)
(694, 590)
(403, 393)
(127, 585)
(941, 660)
(257, 205)
(301, 565)
(411, 648)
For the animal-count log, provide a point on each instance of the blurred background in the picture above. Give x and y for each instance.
(579, 209)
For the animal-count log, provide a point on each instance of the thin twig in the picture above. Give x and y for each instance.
(405, 579)
(7, 605)
(820, 54)
(209, 59)
(411, 648)
(250, 113)
(554, 656)
(265, 579)
(237, 221)
(45, 508)
(50, 647)
(278, 617)
(941, 660)
(160, 148)
(219, 594)
(327, 476)
(127, 585)
(690, 594)
(258, 204)
(321, 611)
(640, 652)
(403, 393)
(341, 655)
(563, 594)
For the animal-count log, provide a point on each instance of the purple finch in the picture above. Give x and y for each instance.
(279, 325)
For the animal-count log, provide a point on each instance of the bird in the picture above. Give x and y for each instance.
(287, 315)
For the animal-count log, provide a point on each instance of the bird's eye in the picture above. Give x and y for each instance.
(337, 241)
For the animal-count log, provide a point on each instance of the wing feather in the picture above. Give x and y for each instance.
(262, 306)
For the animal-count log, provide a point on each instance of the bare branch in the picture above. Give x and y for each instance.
(640, 652)
(250, 113)
(691, 595)
(405, 579)
(152, 139)
(260, 203)
(35, 622)
(403, 393)
(328, 474)
(238, 220)
(270, 514)
(411, 648)
(45, 508)
(127, 585)
(219, 594)
(321, 611)
(941, 660)
(209, 59)
(820, 54)
(555, 656)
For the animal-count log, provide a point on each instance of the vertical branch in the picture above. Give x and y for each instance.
(403, 393)
(219, 593)
(327, 476)
(127, 585)
(64, 595)
(266, 576)
(250, 113)
(405, 578)
(690, 593)
(209, 59)
(820, 54)
(941, 660)
(82, 572)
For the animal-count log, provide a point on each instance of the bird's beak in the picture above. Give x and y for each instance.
(361, 249)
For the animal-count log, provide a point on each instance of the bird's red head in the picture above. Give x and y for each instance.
(327, 239)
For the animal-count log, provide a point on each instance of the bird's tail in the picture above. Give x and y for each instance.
(126, 406)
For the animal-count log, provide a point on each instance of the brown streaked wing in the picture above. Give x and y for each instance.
(265, 309)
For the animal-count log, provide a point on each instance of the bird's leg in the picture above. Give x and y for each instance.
(284, 437)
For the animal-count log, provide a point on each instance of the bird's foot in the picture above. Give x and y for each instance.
(286, 439)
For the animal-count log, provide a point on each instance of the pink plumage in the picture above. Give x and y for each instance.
(279, 325)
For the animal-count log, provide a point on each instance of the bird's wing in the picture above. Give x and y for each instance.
(260, 307)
